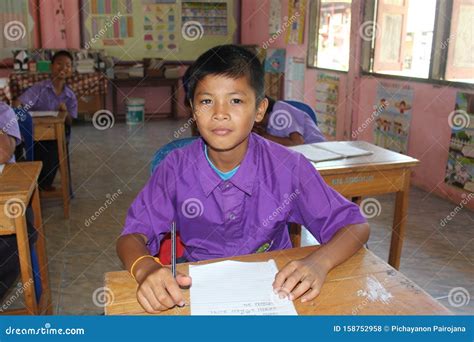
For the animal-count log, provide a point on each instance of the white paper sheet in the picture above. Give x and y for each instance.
(236, 288)
(342, 148)
(1, 168)
(39, 114)
(315, 154)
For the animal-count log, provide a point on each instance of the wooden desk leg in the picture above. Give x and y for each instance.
(61, 139)
(41, 252)
(399, 222)
(28, 286)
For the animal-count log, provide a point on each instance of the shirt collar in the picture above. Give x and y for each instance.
(66, 91)
(243, 179)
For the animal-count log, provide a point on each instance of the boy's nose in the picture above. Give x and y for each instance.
(221, 111)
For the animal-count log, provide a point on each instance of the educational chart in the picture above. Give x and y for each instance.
(393, 117)
(112, 22)
(294, 79)
(327, 91)
(206, 18)
(275, 61)
(460, 166)
(296, 15)
(274, 18)
(160, 27)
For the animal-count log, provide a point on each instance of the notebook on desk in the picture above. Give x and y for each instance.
(333, 150)
(41, 114)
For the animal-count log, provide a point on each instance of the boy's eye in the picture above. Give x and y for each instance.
(205, 102)
(236, 101)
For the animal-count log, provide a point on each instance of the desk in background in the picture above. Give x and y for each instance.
(18, 186)
(148, 81)
(348, 290)
(382, 172)
(52, 128)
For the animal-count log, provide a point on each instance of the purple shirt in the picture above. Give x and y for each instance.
(9, 125)
(286, 119)
(217, 218)
(41, 96)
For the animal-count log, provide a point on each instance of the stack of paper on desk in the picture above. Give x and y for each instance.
(39, 114)
(236, 288)
(323, 151)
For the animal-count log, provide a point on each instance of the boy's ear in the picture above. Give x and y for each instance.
(261, 110)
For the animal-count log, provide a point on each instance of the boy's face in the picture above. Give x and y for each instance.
(225, 111)
(62, 67)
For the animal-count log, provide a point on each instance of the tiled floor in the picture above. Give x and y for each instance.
(114, 163)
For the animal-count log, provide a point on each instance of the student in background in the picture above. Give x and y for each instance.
(9, 138)
(10, 135)
(231, 192)
(52, 95)
(288, 125)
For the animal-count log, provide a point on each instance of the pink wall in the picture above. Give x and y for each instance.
(52, 24)
(429, 131)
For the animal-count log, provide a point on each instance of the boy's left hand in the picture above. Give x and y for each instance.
(299, 276)
(62, 107)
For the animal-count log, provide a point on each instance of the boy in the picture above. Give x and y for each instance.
(232, 192)
(52, 94)
(288, 125)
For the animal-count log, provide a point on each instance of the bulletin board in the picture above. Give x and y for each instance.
(169, 29)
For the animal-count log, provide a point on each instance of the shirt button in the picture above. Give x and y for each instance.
(231, 216)
(227, 186)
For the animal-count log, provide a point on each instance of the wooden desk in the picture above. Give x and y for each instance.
(52, 128)
(345, 291)
(18, 186)
(148, 81)
(382, 172)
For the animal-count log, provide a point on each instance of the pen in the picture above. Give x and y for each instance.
(173, 249)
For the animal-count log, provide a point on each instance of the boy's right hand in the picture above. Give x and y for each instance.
(158, 290)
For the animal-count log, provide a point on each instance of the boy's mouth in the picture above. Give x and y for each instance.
(221, 131)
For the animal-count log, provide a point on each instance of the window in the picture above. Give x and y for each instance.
(430, 39)
(330, 36)
(404, 33)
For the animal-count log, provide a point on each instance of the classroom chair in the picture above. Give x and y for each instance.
(305, 108)
(25, 150)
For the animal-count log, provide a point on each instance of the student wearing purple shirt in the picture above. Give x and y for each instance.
(232, 192)
(51, 95)
(10, 135)
(288, 125)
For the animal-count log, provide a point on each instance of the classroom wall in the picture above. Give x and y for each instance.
(429, 130)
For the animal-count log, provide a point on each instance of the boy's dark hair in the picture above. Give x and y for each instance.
(62, 53)
(226, 60)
